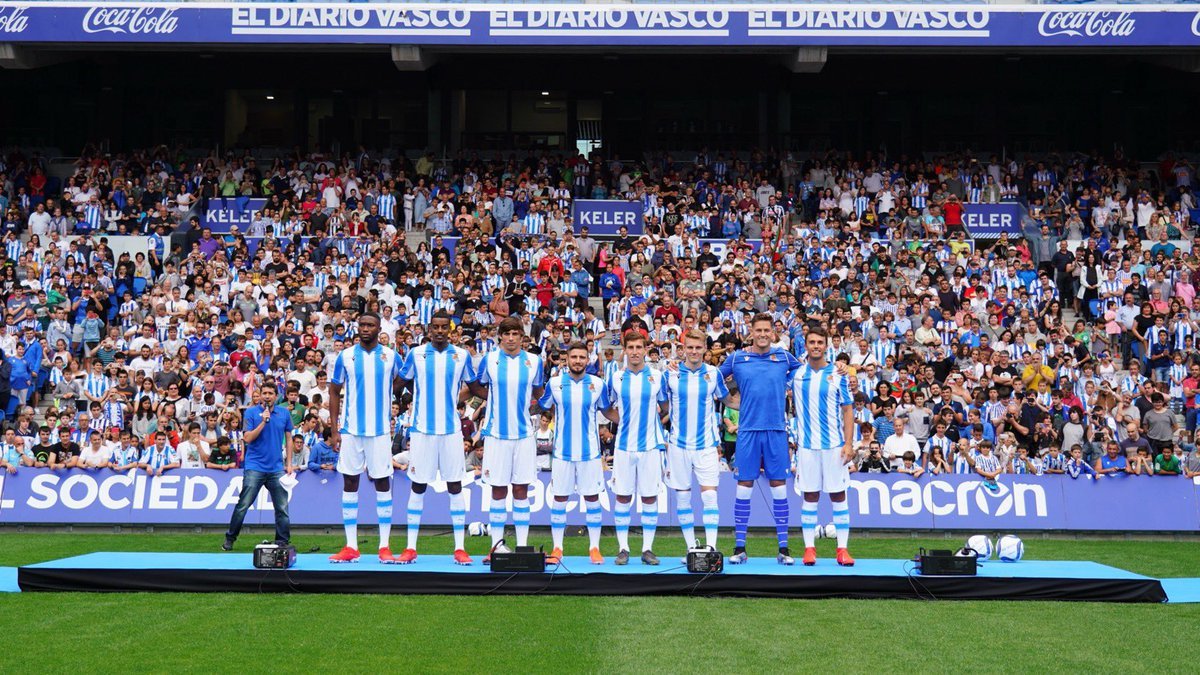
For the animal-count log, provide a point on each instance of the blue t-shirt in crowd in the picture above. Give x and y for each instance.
(763, 381)
(265, 453)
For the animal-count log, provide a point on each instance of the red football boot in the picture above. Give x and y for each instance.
(555, 557)
(407, 557)
(810, 557)
(844, 559)
(346, 555)
(460, 558)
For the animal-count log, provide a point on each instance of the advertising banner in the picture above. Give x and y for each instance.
(224, 214)
(876, 501)
(988, 221)
(607, 216)
(679, 24)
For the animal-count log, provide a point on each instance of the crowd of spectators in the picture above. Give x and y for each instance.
(1070, 346)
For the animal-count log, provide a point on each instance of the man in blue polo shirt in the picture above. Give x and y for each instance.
(762, 373)
(267, 425)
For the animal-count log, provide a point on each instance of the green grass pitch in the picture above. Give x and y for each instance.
(205, 633)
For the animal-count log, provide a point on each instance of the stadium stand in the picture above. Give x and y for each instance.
(154, 290)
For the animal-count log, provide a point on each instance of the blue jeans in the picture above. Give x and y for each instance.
(252, 482)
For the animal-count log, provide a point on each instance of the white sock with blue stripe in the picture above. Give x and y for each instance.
(558, 522)
(808, 523)
(687, 521)
(621, 523)
(712, 516)
(649, 525)
(497, 515)
(521, 520)
(350, 518)
(458, 518)
(593, 524)
(841, 522)
(416, 506)
(383, 512)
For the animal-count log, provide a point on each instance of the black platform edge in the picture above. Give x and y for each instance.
(485, 583)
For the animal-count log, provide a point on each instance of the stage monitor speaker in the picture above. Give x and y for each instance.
(945, 563)
(268, 556)
(705, 560)
(523, 559)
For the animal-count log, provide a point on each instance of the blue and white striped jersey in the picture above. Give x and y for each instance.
(962, 465)
(937, 442)
(366, 379)
(156, 458)
(121, 455)
(694, 422)
(387, 206)
(512, 380)
(424, 309)
(819, 396)
(438, 377)
(97, 385)
(637, 396)
(987, 463)
(575, 402)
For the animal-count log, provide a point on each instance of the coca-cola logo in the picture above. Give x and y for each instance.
(135, 21)
(1089, 23)
(13, 21)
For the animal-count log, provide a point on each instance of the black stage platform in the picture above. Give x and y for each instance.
(762, 577)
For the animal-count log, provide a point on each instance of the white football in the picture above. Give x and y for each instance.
(477, 529)
(981, 545)
(1010, 548)
(830, 531)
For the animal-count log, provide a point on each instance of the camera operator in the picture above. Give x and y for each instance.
(267, 425)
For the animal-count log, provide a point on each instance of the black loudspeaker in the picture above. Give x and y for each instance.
(274, 556)
(945, 563)
(524, 559)
(705, 560)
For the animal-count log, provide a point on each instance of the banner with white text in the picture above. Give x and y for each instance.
(207, 497)
(697, 24)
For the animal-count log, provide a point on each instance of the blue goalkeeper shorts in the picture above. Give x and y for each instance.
(761, 452)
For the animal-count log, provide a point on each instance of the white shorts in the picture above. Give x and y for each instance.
(509, 462)
(637, 473)
(584, 478)
(431, 455)
(681, 464)
(821, 471)
(372, 454)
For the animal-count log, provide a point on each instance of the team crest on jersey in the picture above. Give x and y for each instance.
(831, 379)
(453, 356)
(774, 357)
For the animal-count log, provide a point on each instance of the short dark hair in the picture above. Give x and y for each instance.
(509, 324)
(762, 316)
(577, 345)
(441, 314)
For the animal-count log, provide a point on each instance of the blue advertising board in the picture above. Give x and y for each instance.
(1136, 503)
(607, 216)
(988, 221)
(718, 25)
(223, 214)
